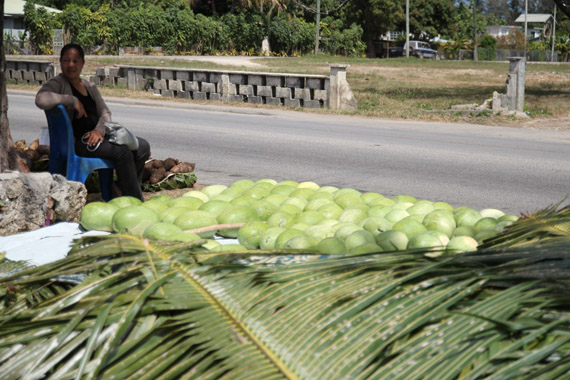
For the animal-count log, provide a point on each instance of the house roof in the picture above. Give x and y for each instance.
(16, 8)
(535, 17)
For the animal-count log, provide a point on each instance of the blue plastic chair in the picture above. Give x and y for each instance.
(64, 161)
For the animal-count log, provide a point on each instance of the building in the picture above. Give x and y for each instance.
(14, 16)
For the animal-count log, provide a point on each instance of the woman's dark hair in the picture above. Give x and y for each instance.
(72, 46)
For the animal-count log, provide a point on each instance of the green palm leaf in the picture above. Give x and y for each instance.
(157, 310)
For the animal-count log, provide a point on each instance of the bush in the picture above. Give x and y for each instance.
(291, 36)
(40, 25)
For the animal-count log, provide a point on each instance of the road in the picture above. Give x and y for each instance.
(513, 169)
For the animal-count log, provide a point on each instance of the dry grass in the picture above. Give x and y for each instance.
(408, 88)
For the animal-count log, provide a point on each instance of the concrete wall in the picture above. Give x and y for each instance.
(289, 90)
(29, 72)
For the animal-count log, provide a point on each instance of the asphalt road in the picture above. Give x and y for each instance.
(513, 169)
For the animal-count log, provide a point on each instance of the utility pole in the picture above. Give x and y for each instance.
(553, 34)
(318, 26)
(407, 28)
(525, 25)
(475, 30)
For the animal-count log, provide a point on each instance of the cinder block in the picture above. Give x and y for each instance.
(246, 89)
(274, 81)
(200, 76)
(174, 85)
(96, 80)
(238, 78)
(255, 80)
(17, 74)
(321, 95)
(312, 104)
(283, 92)
(255, 99)
(159, 84)
(122, 82)
(208, 87)
(11, 65)
(108, 82)
(41, 76)
(191, 86)
(33, 83)
(166, 74)
(196, 95)
(236, 98)
(273, 101)
(292, 103)
(168, 93)
(28, 75)
(215, 96)
(33, 66)
(183, 75)
(215, 78)
(302, 93)
(101, 72)
(264, 91)
(184, 94)
(113, 71)
(316, 83)
(293, 82)
(149, 73)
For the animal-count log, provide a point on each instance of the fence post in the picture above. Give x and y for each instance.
(340, 94)
(515, 83)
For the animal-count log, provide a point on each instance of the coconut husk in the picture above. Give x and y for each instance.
(20, 145)
(183, 167)
(35, 144)
(32, 155)
(43, 149)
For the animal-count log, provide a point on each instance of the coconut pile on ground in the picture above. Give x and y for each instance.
(267, 214)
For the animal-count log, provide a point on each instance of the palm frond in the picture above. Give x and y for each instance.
(157, 310)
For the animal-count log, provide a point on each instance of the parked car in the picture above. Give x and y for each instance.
(418, 49)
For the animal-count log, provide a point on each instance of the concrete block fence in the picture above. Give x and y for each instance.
(289, 90)
(29, 72)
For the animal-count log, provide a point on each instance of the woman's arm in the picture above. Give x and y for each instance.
(51, 94)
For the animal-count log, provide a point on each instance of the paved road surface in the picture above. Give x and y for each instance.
(513, 169)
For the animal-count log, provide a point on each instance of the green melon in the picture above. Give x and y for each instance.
(392, 241)
(236, 214)
(332, 245)
(98, 216)
(301, 242)
(197, 194)
(286, 235)
(196, 219)
(460, 244)
(161, 231)
(192, 203)
(280, 219)
(215, 207)
(125, 201)
(170, 214)
(134, 219)
(267, 240)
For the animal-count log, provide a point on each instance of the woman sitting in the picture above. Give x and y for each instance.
(88, 113)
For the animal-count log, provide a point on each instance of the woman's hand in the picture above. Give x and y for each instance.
(79, 110)
(94, 137)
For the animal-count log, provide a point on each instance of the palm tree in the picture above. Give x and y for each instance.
(127, 308)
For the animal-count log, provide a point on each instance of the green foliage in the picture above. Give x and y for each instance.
(39, 23)
(242, 31)
(337, 41)
(289, 36)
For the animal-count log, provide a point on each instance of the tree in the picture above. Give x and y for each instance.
(39, 23)
(9, 159)
(430, 18)
(376, 17)
(564, 6)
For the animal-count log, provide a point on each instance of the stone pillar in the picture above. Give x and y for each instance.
(515, 84)
(340, 94)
